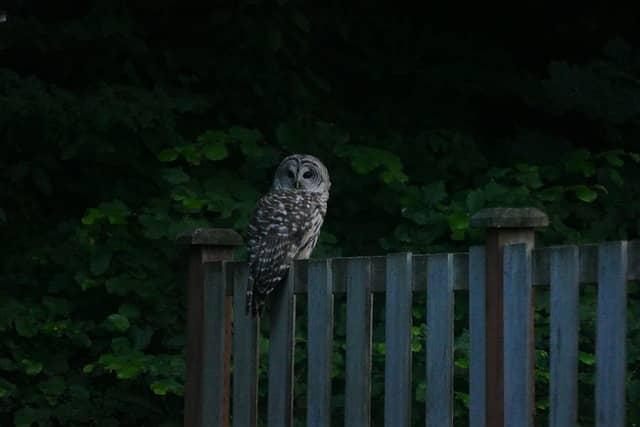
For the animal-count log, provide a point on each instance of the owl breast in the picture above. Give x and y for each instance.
(285, 227)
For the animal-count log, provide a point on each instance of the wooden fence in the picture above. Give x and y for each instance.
(500, 277)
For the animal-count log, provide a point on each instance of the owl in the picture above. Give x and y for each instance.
(286, 225)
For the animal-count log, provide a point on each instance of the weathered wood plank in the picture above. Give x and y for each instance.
(358, 357)
(517, 331)
(245, 352)
(495, 241)
(193, 404)
(564, 336)
(588, 256)
(213, 347)
(460, 271)
(588, 263)
(477, 318)
(397, 378)
(439, 398)
(610, 334)
(281, 347)
(319, 343)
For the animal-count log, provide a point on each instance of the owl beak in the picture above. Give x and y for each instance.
(297, 185)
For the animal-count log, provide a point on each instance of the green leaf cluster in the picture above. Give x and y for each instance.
(125, 123)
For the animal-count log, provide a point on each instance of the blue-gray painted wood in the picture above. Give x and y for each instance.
(281, 348)
(610, 334)
(358, 357)
(397, 375)
(213, 371)
(439, 398)
(245, 353)
(477, 317)
(319, 343)
(541, 274)
(565, 319)
(517, 331)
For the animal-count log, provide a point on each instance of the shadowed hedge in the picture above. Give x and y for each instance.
(124, 123)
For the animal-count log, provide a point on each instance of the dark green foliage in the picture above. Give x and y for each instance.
(124, 123)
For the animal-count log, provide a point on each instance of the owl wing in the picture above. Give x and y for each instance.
(275, 236)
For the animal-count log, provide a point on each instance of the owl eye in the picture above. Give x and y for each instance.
(307, 175)
(290, 174)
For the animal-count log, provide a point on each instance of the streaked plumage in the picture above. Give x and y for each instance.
(286, 224)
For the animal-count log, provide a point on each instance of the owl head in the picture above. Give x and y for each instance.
(302, 172)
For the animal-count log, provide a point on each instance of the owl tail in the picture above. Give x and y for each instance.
(254, 302)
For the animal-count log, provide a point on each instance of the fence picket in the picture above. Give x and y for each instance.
(245, 352)
(281, 347)
(439, 398)
(319, 343)
(563, 345)
(358, 357)
(399, 275)
(397, 374)
(213, 348)
(610, 334)
(517, 336)
(477, 365)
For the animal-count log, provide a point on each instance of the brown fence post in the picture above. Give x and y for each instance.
(504, 226)
(206, 245)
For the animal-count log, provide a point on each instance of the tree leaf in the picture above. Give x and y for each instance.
(101, 261)
(164, 386)
(213, 137)
(175, 176)
(140, 337)
(167, 155)
(54, 386)
(27, 416)
(118, 322)
(615, 176)
(475, 200)
(31, 367)
(613, 158)
(215, 151)
(115, 211)
(459, 221)
(244, 135)
(585, 194)
(435, 193)
(129, 310)
(92, 216)
(587, 358)
(580, 162)
(27, 326)
(6, 388)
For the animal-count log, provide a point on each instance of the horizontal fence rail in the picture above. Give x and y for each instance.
(399, 277)
(541, 258)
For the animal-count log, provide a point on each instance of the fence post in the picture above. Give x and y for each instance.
(206, 245)
(504, 226)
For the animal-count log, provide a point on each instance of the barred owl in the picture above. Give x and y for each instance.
(286, 225)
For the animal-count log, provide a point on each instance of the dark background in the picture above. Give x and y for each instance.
(124, 123)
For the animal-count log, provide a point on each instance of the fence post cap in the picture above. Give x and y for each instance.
(509, 218)
(210, 237)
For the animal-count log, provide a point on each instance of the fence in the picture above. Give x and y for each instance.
(500, 277)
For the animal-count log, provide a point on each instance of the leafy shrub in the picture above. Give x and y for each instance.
(125, 124)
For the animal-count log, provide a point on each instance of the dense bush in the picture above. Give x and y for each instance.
(124, 123)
